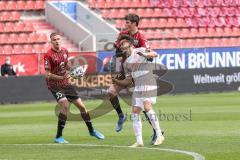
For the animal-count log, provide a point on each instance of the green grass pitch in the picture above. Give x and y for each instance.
(213, 131)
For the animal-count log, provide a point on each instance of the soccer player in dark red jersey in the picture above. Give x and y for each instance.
(131, 29)
(56, 66)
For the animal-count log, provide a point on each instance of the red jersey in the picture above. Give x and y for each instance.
(139, 39)
(56, 63)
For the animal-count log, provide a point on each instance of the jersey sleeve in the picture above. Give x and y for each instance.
(142, 41)
(47, 63)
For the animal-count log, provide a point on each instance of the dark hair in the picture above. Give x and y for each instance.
(54, 34)
(126, 37)
(133, 18)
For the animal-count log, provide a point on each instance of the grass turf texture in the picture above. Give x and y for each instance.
(212, 132)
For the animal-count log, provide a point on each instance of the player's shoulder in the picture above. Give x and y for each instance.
(48, 53)
(123, 32)
(64, 49)
(140, 34)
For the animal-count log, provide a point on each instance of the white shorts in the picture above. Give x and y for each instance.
(139, 102)
(141, 94)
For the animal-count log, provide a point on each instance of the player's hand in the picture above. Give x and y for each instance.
(114, 80)
(67, 76)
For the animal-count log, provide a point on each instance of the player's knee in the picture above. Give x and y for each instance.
(147, 106)
(112, 93)
(136, 110)
(64, 106)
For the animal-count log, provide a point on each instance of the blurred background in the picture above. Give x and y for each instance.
(197, 40)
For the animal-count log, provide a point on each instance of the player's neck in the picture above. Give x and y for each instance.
(132, 32)
(56, 49)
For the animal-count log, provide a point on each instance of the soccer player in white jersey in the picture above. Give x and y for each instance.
(136, 71)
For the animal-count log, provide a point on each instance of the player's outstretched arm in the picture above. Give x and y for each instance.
(50, 75)
(125, 82)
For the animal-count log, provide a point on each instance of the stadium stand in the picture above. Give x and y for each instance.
(197, 23)
(22, 35)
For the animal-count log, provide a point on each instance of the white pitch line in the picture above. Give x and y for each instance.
(195, 155)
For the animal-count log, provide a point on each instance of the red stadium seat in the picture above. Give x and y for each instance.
(203, 32)
(21, 5)
(236, 31)
(1, 50)
(106, 13)
(122, 13)
(18, 49)
(194, 32)
(135, 3)
(144, 3)
(185, 33)
(181, 22)
(100, 4)
(30, 5)
(167, 12)
(153, 23)
(228, 32)
(109, 3)
(141, 12)
(11, 5)
(42, 38)
(27, 48)
(211, 32)
(119, 23)
(46, 47)
(23, 38)
(15, 16)
(38, 48)
(2, 27)
(33, 37)
(162, 22)
(158, 12)
(5, 16)
(40, 4)
(19, 27)
(158, 33)
(215, 12)
(7, 49)
(219, 22)
(131, 10)
(13, 38)
(219, 31)
(149, 33)
(9, 27)
(190, 3)
(199, 3)
(3, 38)
(28, 27)
(3, 5)
(145, 23)
(92, 3)
(237, 11)
(149, 12)
(126, 3)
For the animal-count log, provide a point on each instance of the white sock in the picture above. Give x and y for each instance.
(154, 121)
(137, 127)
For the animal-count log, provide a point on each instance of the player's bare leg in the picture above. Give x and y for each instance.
(137, 126)
(154, 121)
(62, 118)
(86, 117)
(113, 92)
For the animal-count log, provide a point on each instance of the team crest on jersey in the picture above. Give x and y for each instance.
(65, 56)
(136, 42)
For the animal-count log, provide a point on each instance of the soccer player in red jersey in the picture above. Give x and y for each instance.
(56, 66)
(131, 25)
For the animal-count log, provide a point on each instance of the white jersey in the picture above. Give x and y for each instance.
(134, 61)
(145, 88)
